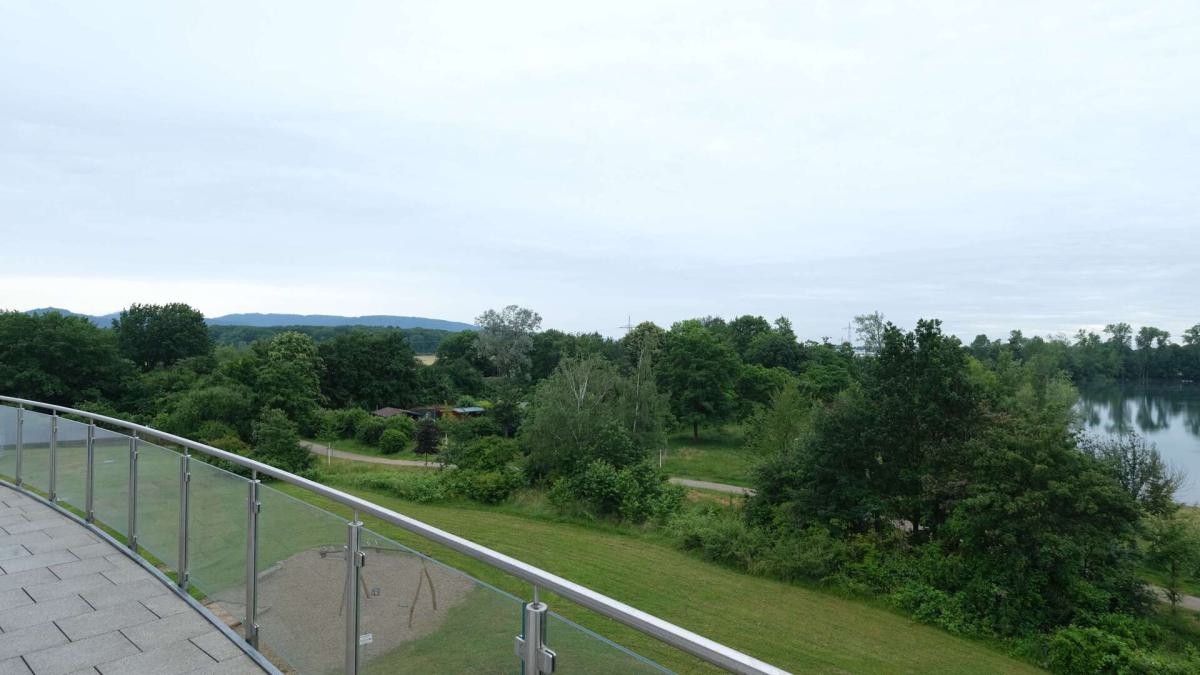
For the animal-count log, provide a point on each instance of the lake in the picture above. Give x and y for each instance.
(1167, 415)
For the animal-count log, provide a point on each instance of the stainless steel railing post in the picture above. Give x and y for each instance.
(89, 490)
(53, 456)
(20, 440)
(354, 563)
(133, 484)
(253, 506)
(536, 657)
(185, 481)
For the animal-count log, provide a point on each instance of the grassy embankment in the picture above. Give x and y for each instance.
(798, 628)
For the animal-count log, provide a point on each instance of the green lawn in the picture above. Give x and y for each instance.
(797, 628)
(716, 456)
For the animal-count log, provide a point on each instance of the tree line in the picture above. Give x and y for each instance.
(1117, 354)
(949, 481)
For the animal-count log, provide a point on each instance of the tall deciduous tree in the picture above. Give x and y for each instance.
(1173, 549)
(289, 378)
(869, 329)
(506, 339)
(699, 372)
(585, 408)
(160, 335)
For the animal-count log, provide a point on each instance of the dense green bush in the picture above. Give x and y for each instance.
(212, 429)
(277, 442)
(229, 444)
(342, 422)
(490, 453)
(1088, 650)
(485, 486)
(635, 493)
(393, 441)
(369, 430)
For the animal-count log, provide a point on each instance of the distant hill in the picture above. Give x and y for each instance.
(273, 320)
(376, 320)
(103, 320)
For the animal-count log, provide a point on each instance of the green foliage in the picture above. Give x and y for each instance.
(369, 370)
(487, 453)
(485, 486)
(58, 359)
(1140, 470)
(635, 493)
(277, 442)
(341, 423)
(413, 486)
(370, 429)
(1173, 548)
(778, 427)
(394, 440)
(422, 340)
(506, 340)
(428, 438)
(159, 335)
(288, 378)
(586, 409)
(699, 372)
(187, 413)
(1088, 650)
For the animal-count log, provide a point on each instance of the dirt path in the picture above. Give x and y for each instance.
(715, 487)
(324, 450)
(1186, 601)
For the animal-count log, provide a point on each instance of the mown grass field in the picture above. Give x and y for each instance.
(797, 628)
(716, 456)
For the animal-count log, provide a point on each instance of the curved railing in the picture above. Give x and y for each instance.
(314, 592)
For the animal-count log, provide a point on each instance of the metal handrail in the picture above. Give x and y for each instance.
(699, 646)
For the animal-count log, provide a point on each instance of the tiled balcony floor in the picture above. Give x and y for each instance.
(72, 603)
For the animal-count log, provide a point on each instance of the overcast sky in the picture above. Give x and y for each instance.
(1010, 165)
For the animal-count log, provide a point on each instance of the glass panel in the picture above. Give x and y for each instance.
(158, 502)
(72, 463)
(420, 616)
(8, 442)
(301, 583)
(35, 457)
(579, 650)
(111, 491)
(217, 536)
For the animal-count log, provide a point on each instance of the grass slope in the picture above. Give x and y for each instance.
(716, 456)
(797, 628)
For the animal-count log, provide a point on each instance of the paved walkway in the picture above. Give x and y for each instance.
(324, 450)
(72, 603)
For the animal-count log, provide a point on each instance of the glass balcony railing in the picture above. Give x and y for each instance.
(313, 592)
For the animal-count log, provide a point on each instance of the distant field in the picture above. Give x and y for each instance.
(716, 456)
(427, 359)
(797, 628)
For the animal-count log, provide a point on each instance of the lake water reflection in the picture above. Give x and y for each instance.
(1167, 415)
